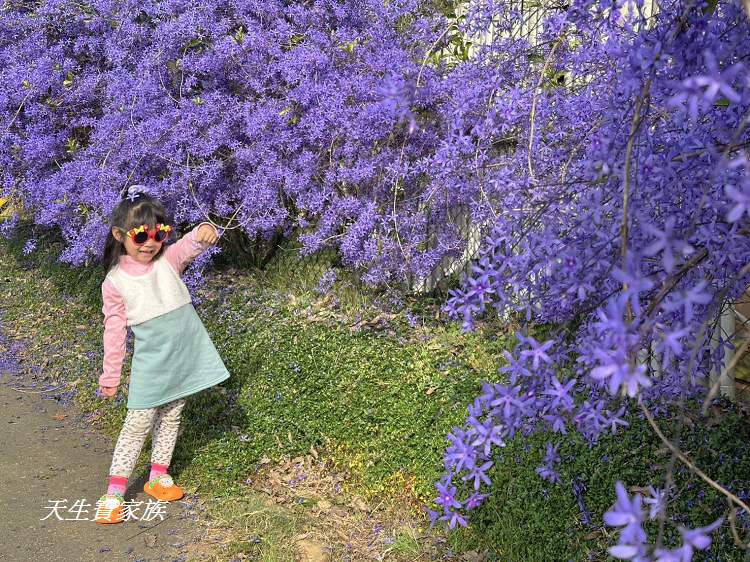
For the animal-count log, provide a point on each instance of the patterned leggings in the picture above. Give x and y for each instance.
(133, 434)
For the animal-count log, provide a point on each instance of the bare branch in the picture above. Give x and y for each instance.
(687, 462)
(537, 91)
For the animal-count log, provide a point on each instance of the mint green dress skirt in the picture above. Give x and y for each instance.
(173, 357)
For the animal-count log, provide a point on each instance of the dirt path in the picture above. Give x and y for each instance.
(46, 454)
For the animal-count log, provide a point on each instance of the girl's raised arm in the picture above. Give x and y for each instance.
(186, 249)
(115, 332)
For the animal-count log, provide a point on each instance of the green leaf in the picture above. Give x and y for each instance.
(196, 42)
(239, 35)
(350, 46)
(83, 210)
(71, 145)
(711, 7)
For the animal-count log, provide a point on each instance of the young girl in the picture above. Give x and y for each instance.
(173, 355)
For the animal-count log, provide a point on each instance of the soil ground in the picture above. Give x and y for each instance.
(47, 456)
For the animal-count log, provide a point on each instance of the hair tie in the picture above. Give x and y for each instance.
(135, 191)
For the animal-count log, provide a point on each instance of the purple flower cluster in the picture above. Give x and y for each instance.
(628, 513)
(283, 116)
(326, 282)
(29, 246)
(533, 398)
(620, 216)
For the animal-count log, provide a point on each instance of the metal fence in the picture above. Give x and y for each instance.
(529, 25)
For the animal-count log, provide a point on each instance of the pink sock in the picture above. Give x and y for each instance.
(117, 484)
(157, 470)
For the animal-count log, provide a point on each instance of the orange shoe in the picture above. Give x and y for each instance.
(163, 488)
(109, 508)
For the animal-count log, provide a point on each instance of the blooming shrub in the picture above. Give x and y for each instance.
(622, 218)
(273, 117)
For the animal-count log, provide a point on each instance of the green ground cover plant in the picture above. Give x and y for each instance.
(377, 394)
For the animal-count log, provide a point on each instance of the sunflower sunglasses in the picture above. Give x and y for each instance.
(140, 234)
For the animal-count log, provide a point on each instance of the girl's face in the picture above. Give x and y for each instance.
(143, 253)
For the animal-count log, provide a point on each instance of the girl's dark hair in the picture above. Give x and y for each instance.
(128, 214)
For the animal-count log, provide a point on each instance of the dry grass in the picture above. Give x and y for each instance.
(300, 509)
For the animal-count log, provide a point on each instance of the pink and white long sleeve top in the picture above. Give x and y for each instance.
(178, 256)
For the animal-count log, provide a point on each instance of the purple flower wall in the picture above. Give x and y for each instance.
(285, 116)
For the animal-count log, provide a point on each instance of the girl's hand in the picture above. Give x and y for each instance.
(107, 391)
(207, 233)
